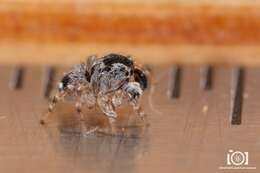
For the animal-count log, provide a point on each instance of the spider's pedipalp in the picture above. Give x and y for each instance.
(133, 90)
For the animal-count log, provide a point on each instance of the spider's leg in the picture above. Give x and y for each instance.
(138, 110)
(81, 116)
(107, 107)
(90, 61)
(85, 131)
(56, 98)
(78, 107)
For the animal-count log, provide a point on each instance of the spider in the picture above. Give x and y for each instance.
(104, 82)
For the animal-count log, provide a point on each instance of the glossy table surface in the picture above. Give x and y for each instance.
(189, 134)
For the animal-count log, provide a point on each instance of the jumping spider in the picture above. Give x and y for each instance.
(104, 82)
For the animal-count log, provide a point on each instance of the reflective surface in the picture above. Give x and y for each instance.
(189, 134)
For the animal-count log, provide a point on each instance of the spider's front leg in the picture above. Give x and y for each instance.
(84, 97)
(56, 98)
(138, 109)
(107, 107)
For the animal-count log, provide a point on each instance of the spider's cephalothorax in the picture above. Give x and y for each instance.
(104, 82)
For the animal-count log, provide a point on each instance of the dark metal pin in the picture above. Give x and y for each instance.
(16, 80)
(206, 77)
(237, 95)
(47, 82)
(175, 82)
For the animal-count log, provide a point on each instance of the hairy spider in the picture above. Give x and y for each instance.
(104, 82)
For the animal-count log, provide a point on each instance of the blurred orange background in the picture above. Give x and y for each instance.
(180, 31)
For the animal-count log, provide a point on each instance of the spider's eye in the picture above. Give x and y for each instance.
(122, 69)
(126, 73)
(107, 69)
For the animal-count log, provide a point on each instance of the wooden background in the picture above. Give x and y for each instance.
(189, 31)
